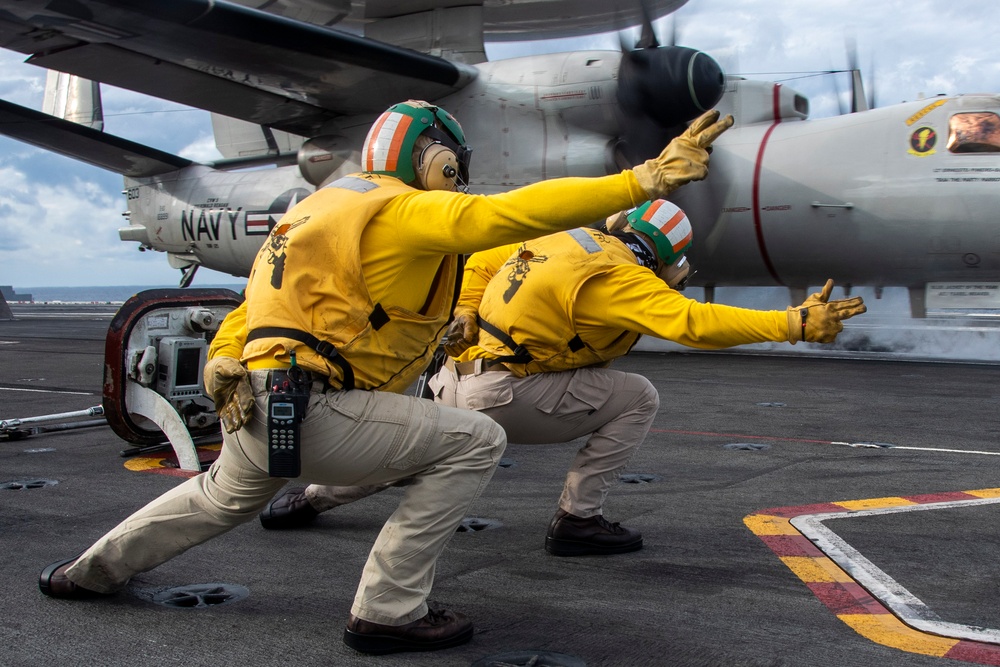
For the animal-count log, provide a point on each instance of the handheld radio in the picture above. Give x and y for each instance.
(286, 408)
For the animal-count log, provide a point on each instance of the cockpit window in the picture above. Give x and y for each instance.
(977, 132)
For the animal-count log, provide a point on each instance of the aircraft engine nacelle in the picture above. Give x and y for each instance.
(321, 156)
(154, 356)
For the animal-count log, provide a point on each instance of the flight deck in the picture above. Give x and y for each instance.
(834, 508)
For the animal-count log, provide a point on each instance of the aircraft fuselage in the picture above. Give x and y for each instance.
(881, 197)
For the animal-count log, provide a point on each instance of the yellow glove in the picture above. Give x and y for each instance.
(463, 332)
(819, 320)
(228, 384)
(684, 159)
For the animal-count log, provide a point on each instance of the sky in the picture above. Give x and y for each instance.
(59, 218)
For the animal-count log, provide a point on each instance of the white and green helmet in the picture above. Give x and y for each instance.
(388, 148)
(666, 224)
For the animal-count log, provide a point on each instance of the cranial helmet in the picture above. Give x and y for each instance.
(442, 159)
(666, 225)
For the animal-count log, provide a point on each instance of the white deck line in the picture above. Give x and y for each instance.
(872, 445)
(48, 391)
(900, 601)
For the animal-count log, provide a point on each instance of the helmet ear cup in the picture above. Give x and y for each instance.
(438, 168)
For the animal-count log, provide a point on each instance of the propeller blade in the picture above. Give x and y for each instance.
(624, 44)
(673, 31)
(647, 38)
(871, 85)
(859, 102)
(841, 106)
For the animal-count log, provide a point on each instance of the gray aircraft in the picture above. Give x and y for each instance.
(895, 196)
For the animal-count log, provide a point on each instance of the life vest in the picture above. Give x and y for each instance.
(307, 292)
(531, 299)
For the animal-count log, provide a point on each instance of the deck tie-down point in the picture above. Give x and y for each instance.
(23, 484)
(472, 524)
(198, 596)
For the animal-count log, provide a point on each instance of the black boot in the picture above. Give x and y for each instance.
(571, 535)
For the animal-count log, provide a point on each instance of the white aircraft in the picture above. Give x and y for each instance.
(901, 195)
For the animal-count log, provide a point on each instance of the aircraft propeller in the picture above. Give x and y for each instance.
(660, 88)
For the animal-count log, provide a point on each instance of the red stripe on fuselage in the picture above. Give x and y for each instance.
(758, 166)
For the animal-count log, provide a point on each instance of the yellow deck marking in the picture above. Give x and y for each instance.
(888, 630)
(816, 570)
(763, 524)
(874, 503)
(882, 628)
(985, 493)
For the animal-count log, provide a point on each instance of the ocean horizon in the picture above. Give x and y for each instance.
(100, 293)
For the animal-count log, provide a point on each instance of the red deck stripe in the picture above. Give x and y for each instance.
(791, 545)
(846, 598)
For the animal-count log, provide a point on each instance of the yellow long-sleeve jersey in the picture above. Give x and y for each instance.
(548, 295)
(400, 253)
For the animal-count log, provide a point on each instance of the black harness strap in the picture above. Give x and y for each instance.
(320, 347)
(520, 356)
(379, 318)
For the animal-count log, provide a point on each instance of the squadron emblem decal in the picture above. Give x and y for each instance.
(922, 141)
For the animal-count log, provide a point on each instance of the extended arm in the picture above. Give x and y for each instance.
(479, 269)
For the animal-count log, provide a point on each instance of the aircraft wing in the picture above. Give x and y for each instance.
(223, 57)
(83, 143)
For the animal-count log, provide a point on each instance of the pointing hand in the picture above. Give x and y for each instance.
(684, 159)
(819, 320)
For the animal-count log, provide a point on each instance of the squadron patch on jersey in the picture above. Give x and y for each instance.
(275, 249)
(520, 266)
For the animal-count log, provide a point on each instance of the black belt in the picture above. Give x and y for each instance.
(263, 379)
(322, 348)
(309, 377)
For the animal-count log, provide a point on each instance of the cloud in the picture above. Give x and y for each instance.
(19, 83)
(64, 231)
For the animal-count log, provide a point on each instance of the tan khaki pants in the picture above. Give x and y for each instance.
(349, 438)
(616, 409)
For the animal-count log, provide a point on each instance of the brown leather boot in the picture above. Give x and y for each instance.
(290, 509)
(54, 583)
(570, 535)
(440, 628)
